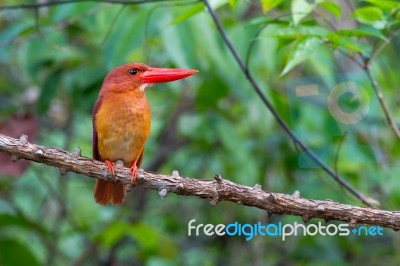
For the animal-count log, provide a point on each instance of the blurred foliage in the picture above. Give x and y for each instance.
(53, 61)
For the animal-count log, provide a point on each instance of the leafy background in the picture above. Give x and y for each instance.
(53, 61)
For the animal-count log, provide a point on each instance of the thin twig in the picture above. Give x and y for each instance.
(352, 58)
(342, 138)
(367, 68)
(279, 119)
(381, 100)
(63, 2)
(377, 50)
(365, 65)
(112, 24)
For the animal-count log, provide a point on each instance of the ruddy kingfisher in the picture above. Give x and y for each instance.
(121, 121)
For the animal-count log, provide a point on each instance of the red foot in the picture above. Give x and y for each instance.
(133, 172)
(110, 167)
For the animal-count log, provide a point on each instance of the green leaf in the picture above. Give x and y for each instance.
(233, 3)
(333, 8)
(370, 15)
(295, 32)
(302, 50)
(13, 31)
(49, 90)
(207, 98)
(15, 221)
(14, 253)
(266, 20)
(146, 235)
(114, 232)
(362, 32)
(195, 9)
(267, 5)
(343, 42)
(301, 9)
(385, 4)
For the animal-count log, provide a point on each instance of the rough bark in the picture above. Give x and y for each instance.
(215, 190)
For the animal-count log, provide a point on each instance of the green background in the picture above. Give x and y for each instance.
(53, 61)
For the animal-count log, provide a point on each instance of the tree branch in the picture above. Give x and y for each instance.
(213, 190)
(64, 2)
(381, 99)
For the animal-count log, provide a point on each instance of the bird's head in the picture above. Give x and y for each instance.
(138, 76)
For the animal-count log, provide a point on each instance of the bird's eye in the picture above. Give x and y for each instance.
(133, 72)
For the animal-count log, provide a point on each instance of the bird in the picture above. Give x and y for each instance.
(121, 121)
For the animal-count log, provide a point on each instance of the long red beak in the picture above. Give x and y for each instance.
(159, 75)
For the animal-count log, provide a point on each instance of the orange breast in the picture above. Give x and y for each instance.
(123, 126)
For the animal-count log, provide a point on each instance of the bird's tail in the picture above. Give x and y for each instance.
(105, 192)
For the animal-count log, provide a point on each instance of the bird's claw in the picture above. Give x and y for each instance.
(110, 166)
(133, 170)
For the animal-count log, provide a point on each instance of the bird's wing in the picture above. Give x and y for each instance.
(95, 148)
